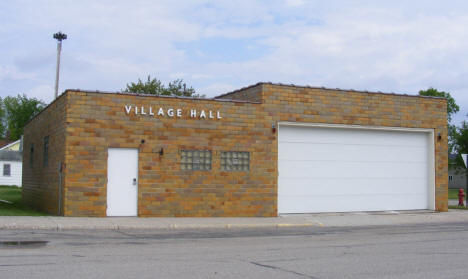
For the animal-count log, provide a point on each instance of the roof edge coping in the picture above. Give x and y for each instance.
(326, 88)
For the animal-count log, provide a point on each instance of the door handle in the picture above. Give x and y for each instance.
(134, 182)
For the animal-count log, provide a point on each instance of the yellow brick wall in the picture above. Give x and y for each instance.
(315, 105)
(41, 184)
(250, 93)
(97, 121)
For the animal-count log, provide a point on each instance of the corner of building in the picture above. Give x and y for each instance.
(252, 93)
(43, 157)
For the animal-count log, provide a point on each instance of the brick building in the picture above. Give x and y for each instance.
(259, 151)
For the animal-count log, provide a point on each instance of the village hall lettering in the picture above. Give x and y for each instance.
(171, 112)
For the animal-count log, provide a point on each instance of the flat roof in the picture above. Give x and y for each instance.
(324, 88)
(139, 95)
(217, 98)
(158, 96)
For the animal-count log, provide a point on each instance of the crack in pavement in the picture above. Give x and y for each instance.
(284, 270)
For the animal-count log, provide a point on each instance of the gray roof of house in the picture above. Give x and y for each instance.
(10, 155)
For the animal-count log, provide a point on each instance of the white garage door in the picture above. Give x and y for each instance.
(325, 169)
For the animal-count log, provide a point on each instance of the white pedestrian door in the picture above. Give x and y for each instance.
(122, 182)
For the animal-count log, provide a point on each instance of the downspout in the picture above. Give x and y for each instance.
(59, 209)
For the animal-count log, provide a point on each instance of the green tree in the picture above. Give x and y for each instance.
(156, 87)
(461, 143)
(18, 111)
(452, 108)
(2, 118)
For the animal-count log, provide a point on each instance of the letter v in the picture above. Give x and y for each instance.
(128, 109)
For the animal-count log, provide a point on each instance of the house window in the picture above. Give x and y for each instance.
(450, 178)
(45, 157)
(31, 155)
(6, 169)
(195, 160)
(235, 161)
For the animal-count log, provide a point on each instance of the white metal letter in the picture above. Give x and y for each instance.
(161, 112)
(202, 114)
(170, 112)
(211, 114)
(143, 110)
(151, 111)
(128, 109)
(193, 113)
(179, 112)
(218, 115)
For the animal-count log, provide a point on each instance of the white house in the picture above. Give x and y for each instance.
(11, 166)
(456, 174)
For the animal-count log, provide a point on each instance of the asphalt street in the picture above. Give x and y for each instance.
(405, 251)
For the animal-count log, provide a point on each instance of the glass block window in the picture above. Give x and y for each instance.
(6, 169)
(235, 161)
(195, 160)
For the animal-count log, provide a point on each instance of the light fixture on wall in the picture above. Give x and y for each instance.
(273, 128)
(439, 137)
(161, 151)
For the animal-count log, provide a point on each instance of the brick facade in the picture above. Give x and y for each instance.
(83, 125)
(41, 182)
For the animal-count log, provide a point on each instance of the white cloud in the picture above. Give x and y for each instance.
(295, 3)
(42, 92)
(216, 89)
(396, 46)
(10, 72)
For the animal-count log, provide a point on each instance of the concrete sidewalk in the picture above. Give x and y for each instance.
(455, 202)
(292, 220)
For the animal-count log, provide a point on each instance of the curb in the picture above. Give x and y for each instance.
(59, 227)
(291, 221)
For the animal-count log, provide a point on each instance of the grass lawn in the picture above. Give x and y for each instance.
(457, 207)
(16, 208)
(453, 194)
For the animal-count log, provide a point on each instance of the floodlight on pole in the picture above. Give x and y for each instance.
(59, 37)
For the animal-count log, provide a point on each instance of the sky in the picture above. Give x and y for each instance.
(218, 46)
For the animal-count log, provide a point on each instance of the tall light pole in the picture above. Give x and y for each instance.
(59, 37)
